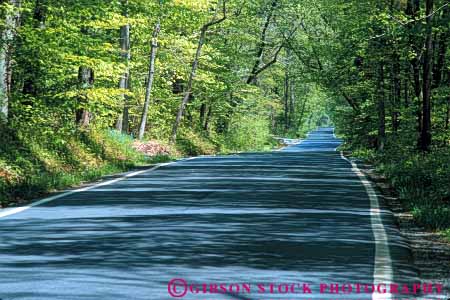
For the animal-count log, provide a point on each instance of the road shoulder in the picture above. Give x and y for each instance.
(431, 253)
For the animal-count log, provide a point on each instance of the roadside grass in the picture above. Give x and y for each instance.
(447, 235)
(248, 135)
(31, 166)
(35, 162)
(422, 181)
(190, 143)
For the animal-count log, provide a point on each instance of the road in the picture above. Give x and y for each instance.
(300, 215)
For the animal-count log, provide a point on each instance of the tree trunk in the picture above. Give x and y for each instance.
(203, 111)
(425, 135)
(292, 109)
(381, 110)
(397, 92)
(395, 76)
(351, 102)
(302, 114)
(440, 63)
(6, 41)
(417, 91)
(188, 91)
(151, 75)
(286, 101)
(39, 14)
(86, 80)
(438, 68)
(447, 118)
(33, 71)
(208, 118)
(406, 92)
(122, 123)
(262, 44)
(413, 7)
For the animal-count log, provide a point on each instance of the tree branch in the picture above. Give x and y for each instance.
(262, 43)
(256, 72)
(411, 21)
(217, 21)
(351, 101)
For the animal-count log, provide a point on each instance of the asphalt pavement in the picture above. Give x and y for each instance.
(277, 224)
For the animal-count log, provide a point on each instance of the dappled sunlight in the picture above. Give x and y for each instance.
(253, 217)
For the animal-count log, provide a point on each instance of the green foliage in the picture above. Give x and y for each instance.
(421, 180)
(248, 134)
(48, 144)
(447, 234)
(31, 167)
(192, 144)
(368, 155)
(268, 70)
(374, 69)
(57, 38)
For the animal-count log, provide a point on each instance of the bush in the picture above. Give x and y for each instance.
(431, 215)
(191, 144)
(249, 134)
(421, 180)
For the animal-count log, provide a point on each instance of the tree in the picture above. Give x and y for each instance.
(124, 82)
(425, 134)
(381, 141)
(7, 37)
(30, 85)
(275, 67)
(188, 90)
(262, 44)
(151, 75)
(86, 80)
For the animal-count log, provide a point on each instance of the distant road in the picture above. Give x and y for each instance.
(300, 215)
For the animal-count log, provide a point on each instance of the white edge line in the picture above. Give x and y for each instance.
(334, 136)
(301, 141)
(382, 266)
(12, 211)
(383, 273)
(281, 149)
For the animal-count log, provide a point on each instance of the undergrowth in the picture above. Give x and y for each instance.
(422, 181)
(33, 164)
(36, 161)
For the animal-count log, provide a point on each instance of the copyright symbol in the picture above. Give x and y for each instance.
(177, 288)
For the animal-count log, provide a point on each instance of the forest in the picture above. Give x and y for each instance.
(87, 87)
